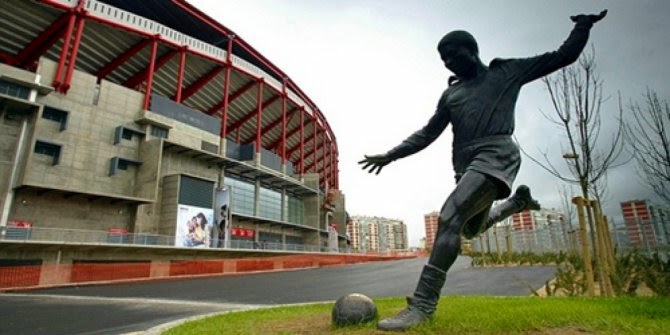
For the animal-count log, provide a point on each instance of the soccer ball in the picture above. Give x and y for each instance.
(353, 309)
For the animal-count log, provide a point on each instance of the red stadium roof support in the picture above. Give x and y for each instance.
(37, 47)
(200, 82)
(271, 126)
(283, 121)
(150, 73)
(301, 143)
(314, 164)
(231, 98)
(323, 156)
(293, 149)
(122, 58)
(226, 88)
(180, 75)
(252, 113)
(330, 171)
(139, 77)
(314, 146)
(65, 86)
(65, 48)
(259, 115)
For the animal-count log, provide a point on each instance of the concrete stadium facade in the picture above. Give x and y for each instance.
(115, 113)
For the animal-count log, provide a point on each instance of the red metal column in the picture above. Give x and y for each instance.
(337, 167)
(259, 115)
(314, 146)
(283, 122)
(330, 171)
(64, 51)
(180, 74)
(65, 86)
(150, 73)
(323, 156)
(226, 87)
(302, 140)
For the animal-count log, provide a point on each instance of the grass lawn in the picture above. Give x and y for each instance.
(462, 315)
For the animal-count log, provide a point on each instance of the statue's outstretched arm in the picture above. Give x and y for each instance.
(414, 143)
(536, 67)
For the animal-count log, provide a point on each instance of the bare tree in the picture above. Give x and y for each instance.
(576, 96)
(577, 99)
(647, 136)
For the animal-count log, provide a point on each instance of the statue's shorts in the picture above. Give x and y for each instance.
(495, 156)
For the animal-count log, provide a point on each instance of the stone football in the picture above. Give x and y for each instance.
(353, 309)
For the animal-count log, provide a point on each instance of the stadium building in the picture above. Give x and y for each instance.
(148, 122)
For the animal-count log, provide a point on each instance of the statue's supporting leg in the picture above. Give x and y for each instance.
(521, 200)
(471, 200)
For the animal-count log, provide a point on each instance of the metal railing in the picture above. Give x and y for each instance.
(81, 236)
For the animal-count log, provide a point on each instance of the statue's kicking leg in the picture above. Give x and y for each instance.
(521, 200)
(470, 201)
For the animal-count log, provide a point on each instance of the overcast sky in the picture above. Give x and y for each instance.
(373, 70)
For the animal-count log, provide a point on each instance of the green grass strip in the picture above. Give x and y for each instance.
(462, 315)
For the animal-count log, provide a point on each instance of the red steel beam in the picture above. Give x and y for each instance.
(234, 96)
(259, 115)
(314, 163)
(122, 58)
(273, 124)
(226, 88)
(142, 75)
(323, 155)
(45, 40)
(200, 82)
(65, 48)
(301, 143)
(314, 146)
(180, 74)
(6, 58)
(283, 122)
(65, 86)
(150, 73)
(252, 113)
(330, 170)
(297, 147)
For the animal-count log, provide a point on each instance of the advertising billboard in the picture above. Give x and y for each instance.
(194, 227)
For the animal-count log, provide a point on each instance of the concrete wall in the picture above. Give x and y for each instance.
(55, 210)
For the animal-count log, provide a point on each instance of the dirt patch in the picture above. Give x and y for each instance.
(307, 325)
(570, 330)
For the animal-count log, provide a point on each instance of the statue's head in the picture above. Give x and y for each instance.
(458, 49)
(459, 38)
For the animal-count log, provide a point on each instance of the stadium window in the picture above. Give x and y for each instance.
(48, 149)
(55, 115)
(122, 132)
(120, 163)
(14, 90)
(159, 132)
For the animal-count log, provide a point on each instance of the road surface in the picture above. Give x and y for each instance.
(124, 308)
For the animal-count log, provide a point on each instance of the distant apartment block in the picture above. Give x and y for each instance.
(646, 225)
(377, 234)
(430, 221)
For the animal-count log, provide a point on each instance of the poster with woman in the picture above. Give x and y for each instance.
(194, 226)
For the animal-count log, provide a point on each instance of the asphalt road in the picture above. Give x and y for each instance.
(124, 308)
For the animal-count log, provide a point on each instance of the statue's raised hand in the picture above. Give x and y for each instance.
(592, 18)
(375, 163)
